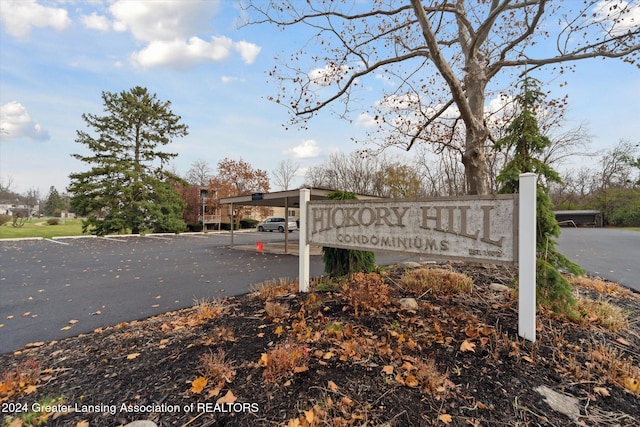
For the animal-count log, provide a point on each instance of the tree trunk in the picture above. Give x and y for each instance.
(476, 170)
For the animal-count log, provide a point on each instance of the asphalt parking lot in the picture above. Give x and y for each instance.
(53, 289)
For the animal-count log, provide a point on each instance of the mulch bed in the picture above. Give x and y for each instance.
(455, 360)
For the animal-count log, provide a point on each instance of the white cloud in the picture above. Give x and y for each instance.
(247, 50)
(367, 121)
(169, 29)
(307, 149)
(230, 79)
(96, 22)
(183, 53)
(16, 123)
(621, 16)
(164, 20)
(20, 15)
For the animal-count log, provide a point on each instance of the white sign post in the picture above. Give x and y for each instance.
(527, 257)
(303, 251)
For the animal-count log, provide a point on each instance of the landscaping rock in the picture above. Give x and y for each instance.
(408, 303)
(143, 423)
(411, 264)
(498, 287)
(559, 402)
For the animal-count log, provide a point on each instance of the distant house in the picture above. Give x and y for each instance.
(578, 218)
(7, 208)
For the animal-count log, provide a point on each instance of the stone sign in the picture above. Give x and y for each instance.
(471, 228)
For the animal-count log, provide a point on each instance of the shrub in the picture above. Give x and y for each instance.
(248, 223)
(53, 221)
(4, 219)
(216, 369)
(272, 288)
(341, 262)
(366, 292)
(437, 281)
(284, 360)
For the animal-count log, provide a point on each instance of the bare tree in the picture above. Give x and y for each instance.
(356, 172)
(200, 173)
(441, 59)
(284, 173)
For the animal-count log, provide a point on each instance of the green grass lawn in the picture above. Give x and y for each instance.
(38, 227)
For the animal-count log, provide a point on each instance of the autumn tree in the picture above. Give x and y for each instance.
(442, 61)
(236, 178)
(402, 181)
(126, 187)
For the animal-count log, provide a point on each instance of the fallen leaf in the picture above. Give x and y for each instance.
(602, 391)
(65, 328)
(623, 341)
(214, 392)
(198, 385)
(132, 356)
(309, 416)
(264, 360)
(26, 314)
(471, 331)
(387, 369)
(346, 401)
(632, 384)
(83, 423)
(299, 369)
(528, 359)
(467, 346)
(332, 386)
(411, 381)
(227, 398)
(73, 322)
(445, 418)
(16, 423)
(278, 331)
(31, 389)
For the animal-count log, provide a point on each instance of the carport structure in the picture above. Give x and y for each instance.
(284, 199)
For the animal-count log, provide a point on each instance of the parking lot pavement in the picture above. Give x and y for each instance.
(53, 289)
(605, 252)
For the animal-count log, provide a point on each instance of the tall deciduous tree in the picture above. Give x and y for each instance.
(284, 173)
(126, 187)
(441, 60)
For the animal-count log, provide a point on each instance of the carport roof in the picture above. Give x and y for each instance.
(289, 198)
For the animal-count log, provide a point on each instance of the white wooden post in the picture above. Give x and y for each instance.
(303, 251)
(527, 257)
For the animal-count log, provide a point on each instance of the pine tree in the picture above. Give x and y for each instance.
(53, 203)
(126, 189)
(527, 142)
(340, 262)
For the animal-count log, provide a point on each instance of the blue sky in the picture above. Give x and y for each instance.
(56, 58)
